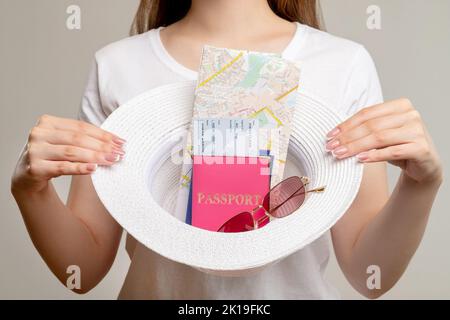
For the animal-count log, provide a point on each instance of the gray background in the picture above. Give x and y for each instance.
(44, 68)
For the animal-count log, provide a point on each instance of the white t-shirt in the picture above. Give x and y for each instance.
(339, 72)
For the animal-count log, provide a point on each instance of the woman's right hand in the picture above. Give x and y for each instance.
(58, 146)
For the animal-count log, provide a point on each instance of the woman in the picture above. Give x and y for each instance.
(379, 229)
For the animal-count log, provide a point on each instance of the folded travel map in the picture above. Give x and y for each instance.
(243, 106)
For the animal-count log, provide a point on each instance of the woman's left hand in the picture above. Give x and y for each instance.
(393, 132)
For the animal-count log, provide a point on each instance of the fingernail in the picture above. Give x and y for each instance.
(91, 167)
(118, 151)
(333, 133)
(112, 157)
(119, 141)
(340, 151)
(362, 156)
(331, 145)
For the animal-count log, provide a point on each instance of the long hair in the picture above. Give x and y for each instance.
(156, 13)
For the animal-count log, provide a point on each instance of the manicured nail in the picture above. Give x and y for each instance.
(362, 156)
(118, 151)
(333, 133)
(332, 144)
(119, 141)
(112, 157)
(91, 167)
(340, 151)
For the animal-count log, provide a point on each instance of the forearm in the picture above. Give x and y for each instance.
(61, 238)
(391, 238)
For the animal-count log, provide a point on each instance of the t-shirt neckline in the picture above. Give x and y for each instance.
(289, 52)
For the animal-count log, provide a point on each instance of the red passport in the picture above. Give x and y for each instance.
(225, 186)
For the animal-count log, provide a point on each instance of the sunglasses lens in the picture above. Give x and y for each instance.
(239, 223)
(285, 198)
(290, 206)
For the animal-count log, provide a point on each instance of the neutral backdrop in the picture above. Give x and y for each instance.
(43, 69)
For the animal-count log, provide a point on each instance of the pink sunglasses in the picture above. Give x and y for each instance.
(282, 200)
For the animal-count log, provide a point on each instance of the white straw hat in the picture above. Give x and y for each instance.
(140, 191)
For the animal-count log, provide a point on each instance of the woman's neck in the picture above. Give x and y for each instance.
(239, 24)
(231, 18)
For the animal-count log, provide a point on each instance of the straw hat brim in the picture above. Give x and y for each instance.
(153, 125)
